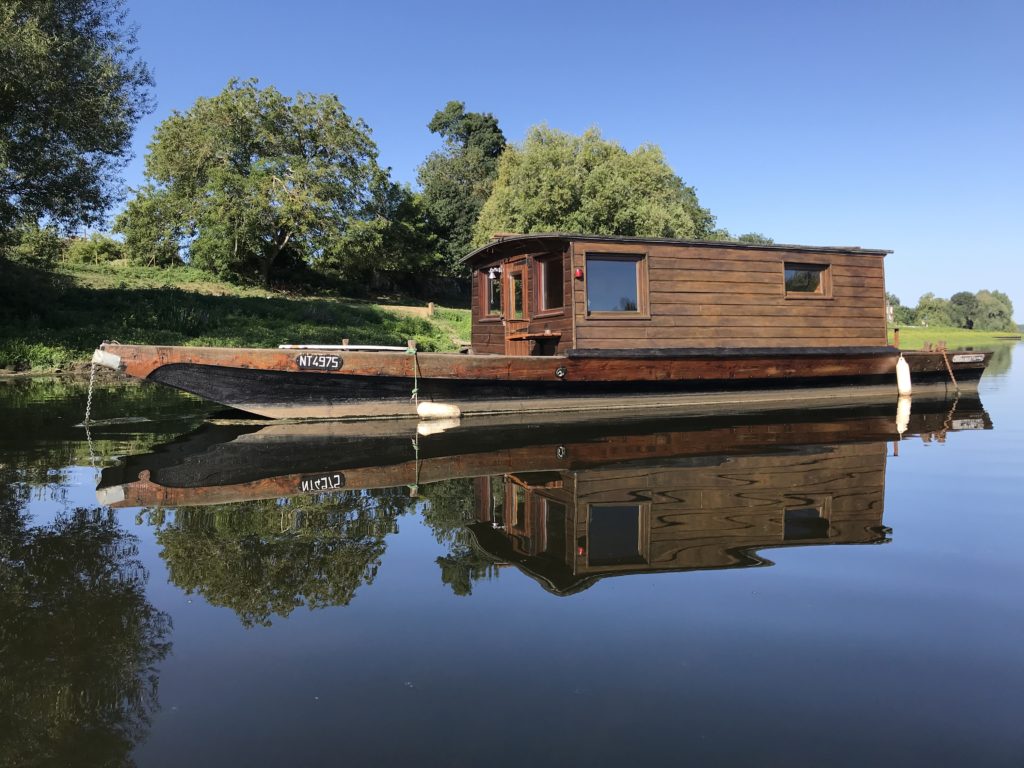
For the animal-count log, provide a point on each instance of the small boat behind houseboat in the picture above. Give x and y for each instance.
(589, 324)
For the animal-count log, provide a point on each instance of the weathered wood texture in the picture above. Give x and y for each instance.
(489, 333)
(698, 296)
(718, 297)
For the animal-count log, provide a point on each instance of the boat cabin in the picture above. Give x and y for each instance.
(546, 294)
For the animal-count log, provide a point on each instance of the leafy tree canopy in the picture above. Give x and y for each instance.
(963, 307)
(995, 312)
(250, 177)
(556, 181)
(71, 93)
(984, 311)
(95, 249)
(932, 310)
(458, 179)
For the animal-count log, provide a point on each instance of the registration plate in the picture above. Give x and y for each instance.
(318, 483)
(319, 362)
(968, 358)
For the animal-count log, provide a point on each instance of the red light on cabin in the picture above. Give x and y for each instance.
(578, 273)
(580, 551)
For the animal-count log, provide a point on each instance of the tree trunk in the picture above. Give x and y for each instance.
(275, 250)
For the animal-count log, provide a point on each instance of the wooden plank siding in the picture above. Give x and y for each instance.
(488, 334)
(699, 517)
(704, 297)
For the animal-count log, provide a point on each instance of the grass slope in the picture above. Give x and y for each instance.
(54, 321)
(917, 337)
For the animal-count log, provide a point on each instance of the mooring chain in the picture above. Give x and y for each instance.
(88, 414)
(88, 399)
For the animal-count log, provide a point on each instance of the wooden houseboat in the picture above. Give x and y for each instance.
(583, 323)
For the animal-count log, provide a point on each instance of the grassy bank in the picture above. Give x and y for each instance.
(955, 338)
(53, 321)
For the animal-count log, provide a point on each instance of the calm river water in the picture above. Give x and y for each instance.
(779, 589)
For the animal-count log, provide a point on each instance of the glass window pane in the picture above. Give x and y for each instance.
(494, 295)
(517, 296)
(612, 285)
(805, 523)
(804, 278)
(552, 285)
(615, 535)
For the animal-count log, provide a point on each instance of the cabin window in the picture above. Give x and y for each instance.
(516, 303)
(615, 284)
(554, 530)
(803, 523)
(492, 292)
(614, 533)
(808, 280)
(497, 494)
(552, 283)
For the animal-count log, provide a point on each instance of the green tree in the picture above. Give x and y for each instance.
(901, 315)
(458, 179)
(71, 93)
(995, 312)
(932, 310)
(559, 182)
(755, 238)
(963, 307)
(250, 177)
(32, 245)
(153, 228)
(95, 249)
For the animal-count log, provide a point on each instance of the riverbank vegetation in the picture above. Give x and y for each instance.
(53, 319)
(918, 337)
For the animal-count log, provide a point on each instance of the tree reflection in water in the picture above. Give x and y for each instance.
(449, 509)
(79, 642)
(265, 558)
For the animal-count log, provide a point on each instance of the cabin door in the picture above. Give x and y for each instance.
(516, 309)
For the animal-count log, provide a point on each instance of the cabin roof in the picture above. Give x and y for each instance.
(508, 245)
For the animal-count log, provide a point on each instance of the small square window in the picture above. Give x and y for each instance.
(614, 284)
(806, 280)
(615, 535)
(803, 523)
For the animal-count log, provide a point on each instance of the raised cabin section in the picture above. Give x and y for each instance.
(522, 305)
(631, 293)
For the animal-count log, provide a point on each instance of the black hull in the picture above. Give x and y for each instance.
(310, 394)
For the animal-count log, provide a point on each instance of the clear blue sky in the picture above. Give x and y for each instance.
(883, 124)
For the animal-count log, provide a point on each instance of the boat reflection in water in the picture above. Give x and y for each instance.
(571, 503)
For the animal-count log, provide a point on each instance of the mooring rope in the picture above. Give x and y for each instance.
(950, 369)
(415, 396)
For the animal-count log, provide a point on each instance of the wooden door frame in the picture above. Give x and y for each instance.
(512, 325)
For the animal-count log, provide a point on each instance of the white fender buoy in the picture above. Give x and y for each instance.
(903, 414)
(902, 376)
(427, 410)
